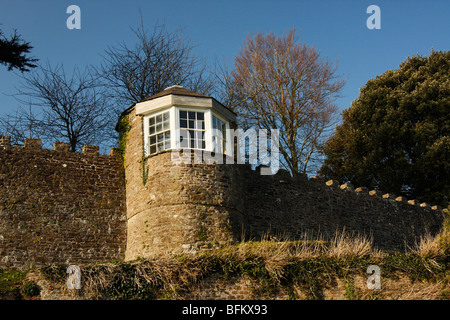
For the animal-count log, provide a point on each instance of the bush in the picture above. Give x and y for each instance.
(30, 289)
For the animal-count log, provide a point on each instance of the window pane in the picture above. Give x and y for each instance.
(167, 144)
(191, 134)
(191, 115)
(152, 129)
(153, 149)
(191, 124)
(200, 116)
(152, 121)
(165, 116)
(192, 143)
(198, 135)
(183, 114)
(152, 139)
(159, 119)
(166, 125)
(183, 123)
(158, 127)
(184, 133)
(167, 135)
(203, 144)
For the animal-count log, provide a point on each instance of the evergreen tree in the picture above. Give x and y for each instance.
(13, 53)
(395, 136)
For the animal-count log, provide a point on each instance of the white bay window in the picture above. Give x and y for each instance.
(181, 119)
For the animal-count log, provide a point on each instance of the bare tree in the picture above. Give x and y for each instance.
(158, 60)
(20, 125)
(62, 107)
(279, 83)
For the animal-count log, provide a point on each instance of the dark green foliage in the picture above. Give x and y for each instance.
(123, 128)
(13, 285)
(30, 289)
(396, 136)
(13, 53)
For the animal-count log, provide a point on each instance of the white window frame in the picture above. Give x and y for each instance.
(206, 119)
(174, 126)
(147, 131)
(223, 130)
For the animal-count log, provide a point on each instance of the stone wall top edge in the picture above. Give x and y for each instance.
(60, 147)
(348, 187)
(284, 176)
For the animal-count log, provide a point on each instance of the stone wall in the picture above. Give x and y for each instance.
(177, 208)
(302, 208)
(180, 208)
(58, 206)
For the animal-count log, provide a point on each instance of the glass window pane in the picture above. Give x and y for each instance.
(159, 119)
(184, 133)
(152, 139)
(153, 149)
(158, 127)
(183, 114)
(165, 116)
(152, 129)
(191, 115)
(167, 135)
(167, 144)
(160, 147)
(203, 144)
(191, 134)
(191, 124)
(183, 123)
(200, 116)
(192, 143)
(166, 125)
(152, 121)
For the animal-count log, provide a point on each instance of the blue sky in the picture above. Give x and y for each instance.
(218, 28)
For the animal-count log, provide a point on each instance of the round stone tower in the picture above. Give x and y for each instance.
(175, 207)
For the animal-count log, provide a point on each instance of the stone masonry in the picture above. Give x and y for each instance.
(58, 206)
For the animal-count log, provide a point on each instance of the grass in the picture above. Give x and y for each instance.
(277, 267)
(14, 286)
(296, 269)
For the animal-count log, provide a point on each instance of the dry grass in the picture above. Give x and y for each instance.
(344, 245)
(269, 258)
(276, 253)
(428, 246)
